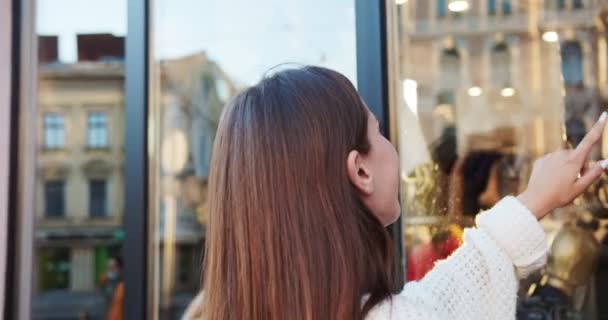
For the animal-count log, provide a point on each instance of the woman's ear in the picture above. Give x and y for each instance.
(358, 173)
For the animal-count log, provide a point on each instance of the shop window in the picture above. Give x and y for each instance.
(54, 269)
(504, 118)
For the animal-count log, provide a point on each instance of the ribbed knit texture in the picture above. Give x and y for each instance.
(480, 279)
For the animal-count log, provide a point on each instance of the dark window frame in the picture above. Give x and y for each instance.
(373, 86)
(11, 282)
(135, 219)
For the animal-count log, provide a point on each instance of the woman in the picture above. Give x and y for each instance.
(301, 188)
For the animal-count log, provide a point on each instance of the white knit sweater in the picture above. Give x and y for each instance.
(480, 279)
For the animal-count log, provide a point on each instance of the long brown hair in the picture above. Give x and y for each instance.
(288, 236)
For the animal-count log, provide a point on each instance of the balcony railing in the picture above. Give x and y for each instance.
(569, 18)
(470, 25)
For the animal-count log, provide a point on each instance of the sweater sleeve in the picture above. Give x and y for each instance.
(480, 279)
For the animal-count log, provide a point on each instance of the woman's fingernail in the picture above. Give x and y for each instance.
(604, 164)
(603, 116)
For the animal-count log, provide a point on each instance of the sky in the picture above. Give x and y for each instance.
(246, 38)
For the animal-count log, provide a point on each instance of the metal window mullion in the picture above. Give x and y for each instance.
(136, 162)
(372, 83)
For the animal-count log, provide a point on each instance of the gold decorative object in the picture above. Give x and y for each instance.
(595, 198)
(421, 190)
(572, 259)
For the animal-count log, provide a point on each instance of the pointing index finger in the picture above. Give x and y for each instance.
(593, 136)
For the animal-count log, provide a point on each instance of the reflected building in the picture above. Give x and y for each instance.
(80, 194)
(192, 93)
(80, 180)
(79, 183)
(505, 64)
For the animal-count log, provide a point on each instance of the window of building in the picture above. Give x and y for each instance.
(54, 195)
(450, 64)
(54, 132)
(441, 8)
(506, 7)
(446, 98)
(97, 135)
(504, 4)
(97, 198)
(492, 7)
(501, 65)
(572, 63)
(561, 4)
(578, 4)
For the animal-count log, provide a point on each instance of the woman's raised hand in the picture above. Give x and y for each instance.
(557, 178)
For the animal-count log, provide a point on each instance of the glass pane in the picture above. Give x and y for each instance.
(77, 255)
(482, 97)
(204, 52)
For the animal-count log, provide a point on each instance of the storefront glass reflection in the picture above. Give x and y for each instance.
(203, 53)
(79, 159)
(485, 88)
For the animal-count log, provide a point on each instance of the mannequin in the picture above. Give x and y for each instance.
(572, 261)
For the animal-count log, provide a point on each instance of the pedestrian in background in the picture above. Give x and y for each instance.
(113, 286)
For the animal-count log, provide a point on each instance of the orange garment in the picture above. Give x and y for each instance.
(115, 312)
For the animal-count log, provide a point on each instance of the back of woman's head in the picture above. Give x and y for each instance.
(288, 236)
